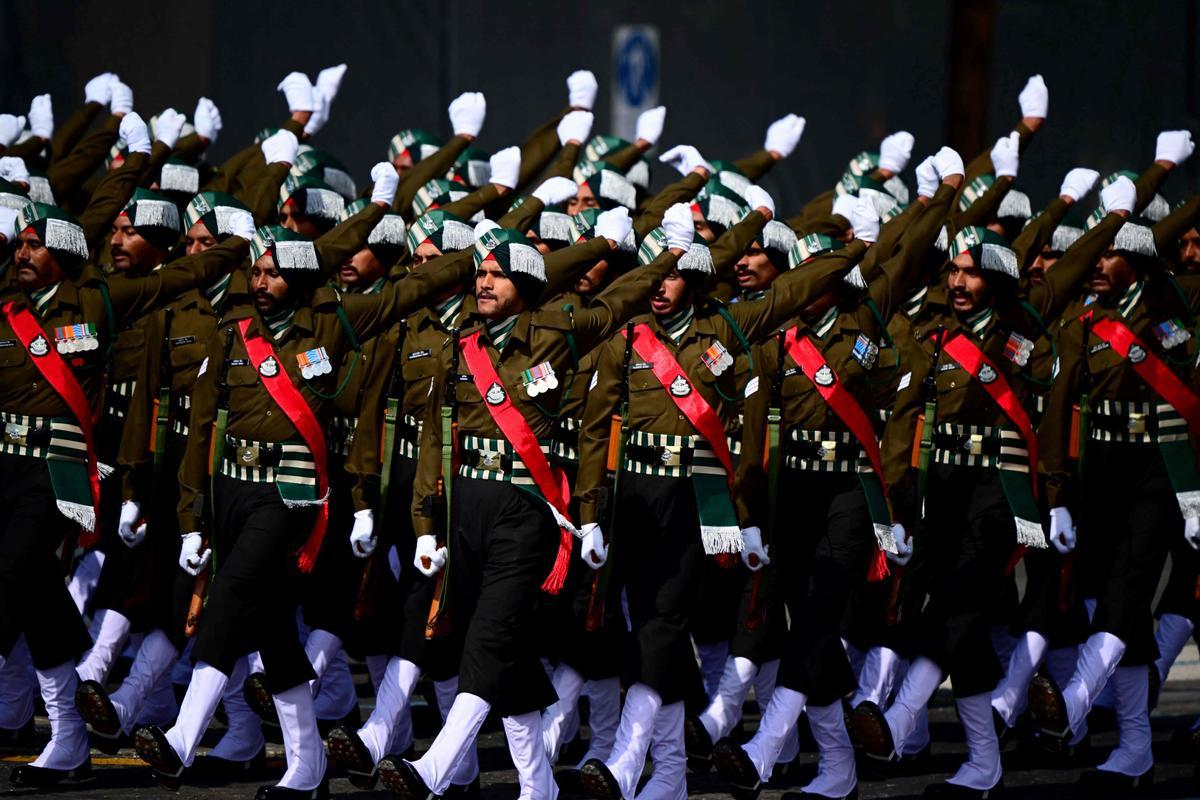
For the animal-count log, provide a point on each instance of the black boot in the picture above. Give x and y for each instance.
(97, 711)
(468, 791)
(213, 771)
(1049, 712)
(27, 775)
(951, 791)
(283, 793)
(598, 780)
(153, 748)
(259, 698)
(697, 744)
(872, 731)
(737, 769)
(400, 777)
(1101, 784)
(346, 748)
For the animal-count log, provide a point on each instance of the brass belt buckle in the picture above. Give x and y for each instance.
(247, 455)
(491, 462)
(827, 451)
(670, 455)
(15, 433)
(1137, 423)
(975, 444)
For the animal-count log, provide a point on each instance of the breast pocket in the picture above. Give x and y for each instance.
(133, 339)
(12, 354)
(186, 355)
(422, 368)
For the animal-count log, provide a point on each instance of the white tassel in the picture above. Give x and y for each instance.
(721, 539)
(85, 516)
(1030, 533)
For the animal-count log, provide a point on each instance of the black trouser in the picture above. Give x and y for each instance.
(329, 593)
(253, 596)
(658, 557)
(715, 618)
(967, 540)
(1130, 519)
(33, 597)
(821, 560)
(761, 629)
(1182, 593)
(502, 546)
(1051, 605)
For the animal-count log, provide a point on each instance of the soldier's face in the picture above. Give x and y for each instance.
(1112, 274)
(754, 270)
(1189, 252)
(426, 252)
(495, 295)
(199, 239)
(584, 198)
(671, 295)
(593, 279)
(702, 226)
(1044, 261)
(361, 269)
(130, 250)
(293, 220)
(403, 163)
(966, 284)
(36, 265)
(267, 285)
(537, 242)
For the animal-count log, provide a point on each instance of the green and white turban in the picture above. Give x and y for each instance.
(601, 145)
(1135, 236)
(987, 248)
(442, 229)
(177, 177)
(13, 196)
(215, 210)
(435, 194)
(1155, 210)
(313, 197)
(720, 206)
(417, 143)
(295, 256)
(861, 166)
(1015, 204)
(386, 239)
(511, 250)
(610, 186)
(696, 264)
(728, 174)
(320, 164)
(471, 168)
(154, 216)
(551, 226)
(583, 228)
(39, 188)
(777, 240)
(809, 247)
(60, 233)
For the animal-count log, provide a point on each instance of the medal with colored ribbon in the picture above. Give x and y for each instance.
(314, 362)
(76, 338)
(717, 358)
(539, 379)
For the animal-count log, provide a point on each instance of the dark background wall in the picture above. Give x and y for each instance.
(1118, 71)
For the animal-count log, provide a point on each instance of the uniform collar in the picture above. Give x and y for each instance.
(449, 312)
(500, 331)
(1128, 302)
(40, 298)
(979, 322)
(676, 325)
(824, 324)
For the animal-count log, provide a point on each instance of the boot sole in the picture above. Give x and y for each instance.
(348, 755)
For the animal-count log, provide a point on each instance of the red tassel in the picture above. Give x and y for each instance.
(307, 558)
(728, 560)
(562, 562)
(88, 539)
(1018, 554)
(879, 567)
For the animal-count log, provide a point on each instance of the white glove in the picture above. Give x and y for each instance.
(134, 133)
(754, 554)
(387, 180)
(581, 89)
(684, 158)
(14, 169)
(362, 534)
(1062, 530)
(843, 205)
(10, 129)
(467, 113)
(122, 98)
(948, 162)
(593, 551)
(614, 224)
(483, 226)
(1034, 98)
(329, 81)
(895, 151)
(429, 558)
(41, 117)
(575, 126)
(132, 536)
(864, 219)
(1191, 532)
(298, 91)
(506, 167)
(650, 124)
(1120, 195)
(927, 178)
(677, 224)
(207, 120)
(168, 126)
(904, 548)
(320, 114)
(99, 89)
(556, 190)
(757, 197)
(1006, 155)
(784, 134)
(241, 223)
(280, 146)
(191, 560)
(1174, 146)
(1078, 183)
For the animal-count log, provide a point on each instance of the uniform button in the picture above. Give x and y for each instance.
(953, 384)
(268, 413)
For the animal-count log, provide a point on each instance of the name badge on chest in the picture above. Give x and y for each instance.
(717, 359)
(539, 379)
(865, 352)
(314, 362)
(76, 338)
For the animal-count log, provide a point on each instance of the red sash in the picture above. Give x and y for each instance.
(1152, 370)
(62, 379)
(972, 359)
(292, 403)
(692, 404)
(551, 481)
(837, 396)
